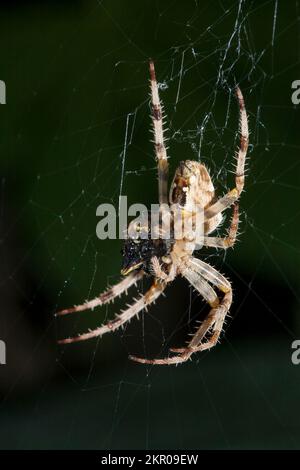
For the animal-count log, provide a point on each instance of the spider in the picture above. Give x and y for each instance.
(165, 259)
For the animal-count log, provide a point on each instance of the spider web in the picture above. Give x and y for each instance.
(100, 149)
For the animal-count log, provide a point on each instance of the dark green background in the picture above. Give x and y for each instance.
(74, 72)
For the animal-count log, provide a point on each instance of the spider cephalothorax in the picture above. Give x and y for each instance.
(192, 191)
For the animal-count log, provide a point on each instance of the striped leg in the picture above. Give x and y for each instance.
(151, 295)
(196, 273)
(160, 149)
(235, 193)
(210, 296)
(213, 276)
(214, 321)
(108, 296)
(212, 324)
(244, 142)
(229, 241)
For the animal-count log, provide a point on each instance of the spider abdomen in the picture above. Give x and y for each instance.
(191, 185)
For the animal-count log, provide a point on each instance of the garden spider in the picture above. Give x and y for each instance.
(165, 259)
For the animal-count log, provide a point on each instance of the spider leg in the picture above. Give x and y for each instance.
(166, 361)
(221, 204)
(160, 149)
(206, 271)
(214, 323)
(210, 225)
(244, 142)
(235, 193)
(159, 273)
(195, 272)
(229, 241)
(215, 319)
(209, 295)
(149, 297)
(108, 296)
(200, 284)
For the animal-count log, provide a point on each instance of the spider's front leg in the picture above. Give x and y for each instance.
(159, 273)
(107, 296)
(133, 310)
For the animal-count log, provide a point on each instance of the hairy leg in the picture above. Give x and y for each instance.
(213, 325)
(108, 296)
(244, 142)
(229, 241)
(210, 225)
(160, 149)
(209, 295)
(159, 273)
(215, 319)
(206, 271)
(151, 295)
(201, 285)
(235, 193)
